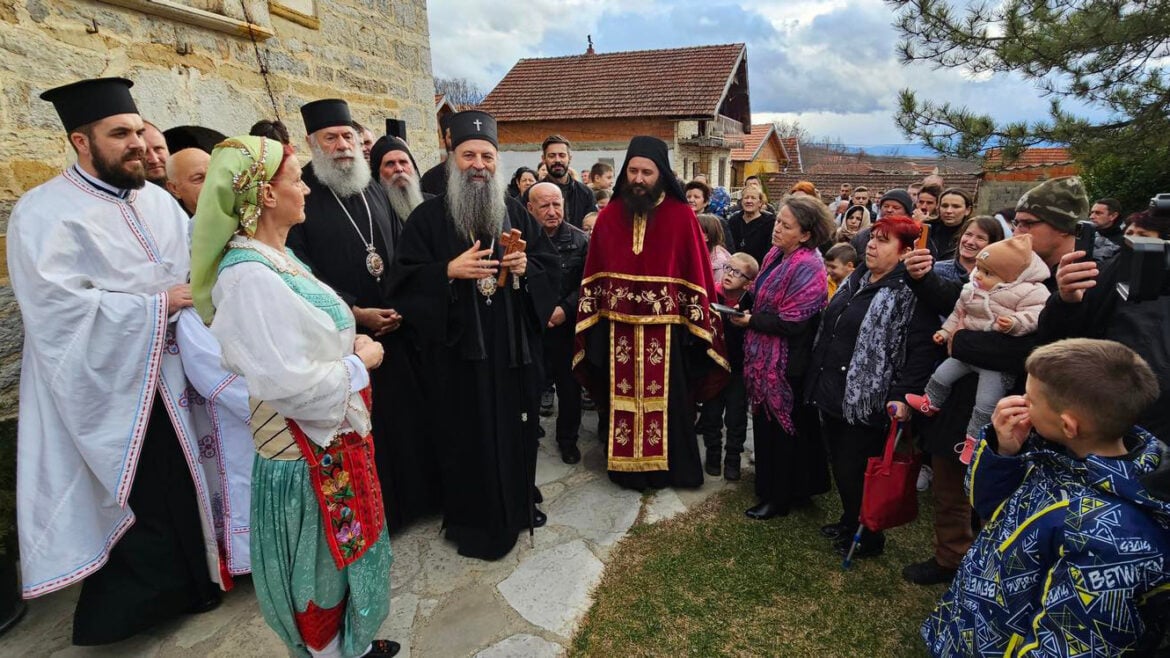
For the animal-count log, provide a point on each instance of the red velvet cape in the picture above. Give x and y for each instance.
(667, 280)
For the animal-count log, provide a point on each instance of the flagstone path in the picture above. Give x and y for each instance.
(527, 604)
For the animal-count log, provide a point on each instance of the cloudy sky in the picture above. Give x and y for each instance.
(828, 63)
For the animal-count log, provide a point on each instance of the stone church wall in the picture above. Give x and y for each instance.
(193, 63)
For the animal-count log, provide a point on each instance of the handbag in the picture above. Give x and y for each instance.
(890, 496)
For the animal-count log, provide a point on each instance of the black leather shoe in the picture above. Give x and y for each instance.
(872, 546)
(205, 606)
(765, 511)
(539, 518)
(713, 465)
(928, 572)
(731, 471)
(570, 453)
(383, 649)
(835, 531)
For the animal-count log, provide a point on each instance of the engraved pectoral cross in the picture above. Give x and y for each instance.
(512, 242)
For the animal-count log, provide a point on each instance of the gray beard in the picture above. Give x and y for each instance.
(344, 180)
(403, 200)
(478, 209)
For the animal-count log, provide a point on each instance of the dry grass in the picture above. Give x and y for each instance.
(713, 583)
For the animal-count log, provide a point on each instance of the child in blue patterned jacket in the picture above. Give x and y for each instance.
(1072, 559)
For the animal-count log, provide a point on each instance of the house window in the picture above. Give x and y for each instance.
(303, 12)
(722, 172)
(237, 18)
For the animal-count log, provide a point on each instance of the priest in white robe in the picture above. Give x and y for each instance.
(109, 488)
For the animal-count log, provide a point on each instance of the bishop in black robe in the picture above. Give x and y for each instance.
(483, 362)
(331, 246)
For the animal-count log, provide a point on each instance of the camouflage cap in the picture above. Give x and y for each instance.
(1060, 202)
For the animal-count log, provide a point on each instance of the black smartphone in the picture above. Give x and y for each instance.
(1085, 236)
(727, 310)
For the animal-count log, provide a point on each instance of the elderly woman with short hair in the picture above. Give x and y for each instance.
(786, 301)
(874, 346)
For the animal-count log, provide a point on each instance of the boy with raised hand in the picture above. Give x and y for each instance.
(1072, 558)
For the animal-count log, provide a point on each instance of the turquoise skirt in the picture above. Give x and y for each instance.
(291, 563)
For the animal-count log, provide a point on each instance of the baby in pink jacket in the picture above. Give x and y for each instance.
(1006, 293)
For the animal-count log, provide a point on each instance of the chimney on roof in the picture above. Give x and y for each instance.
(589, 50)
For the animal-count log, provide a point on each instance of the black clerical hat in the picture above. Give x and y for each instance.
(185, 137)
(87, 101)
(655, 150)
(471, 124)
(325, 113)
(396, 128)
(383, 146)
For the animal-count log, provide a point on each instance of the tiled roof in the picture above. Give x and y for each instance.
(778, 184)
(753, 142)
(1030, 157)
(791, 146)
(679, 82)
(825, 168)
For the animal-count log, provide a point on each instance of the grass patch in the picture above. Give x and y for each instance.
(712, 582)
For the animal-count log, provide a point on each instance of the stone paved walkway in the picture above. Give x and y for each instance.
(444, 606)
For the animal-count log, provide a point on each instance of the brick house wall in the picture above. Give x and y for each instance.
(374, 54)
(1003, 188)
(606, 140)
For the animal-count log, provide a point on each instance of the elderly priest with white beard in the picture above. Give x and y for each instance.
(348, 239)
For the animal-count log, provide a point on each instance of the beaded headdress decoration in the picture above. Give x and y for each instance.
(248, 183)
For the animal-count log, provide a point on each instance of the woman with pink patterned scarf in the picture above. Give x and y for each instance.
(788, 296)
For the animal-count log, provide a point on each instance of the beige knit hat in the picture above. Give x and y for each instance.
(1006, 259)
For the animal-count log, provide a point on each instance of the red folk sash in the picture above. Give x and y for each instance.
(348, 492)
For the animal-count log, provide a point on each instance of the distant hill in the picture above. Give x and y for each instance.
(901, 150)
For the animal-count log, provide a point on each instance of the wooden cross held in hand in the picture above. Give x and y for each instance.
(512, 243)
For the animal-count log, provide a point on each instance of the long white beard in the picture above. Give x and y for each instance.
(478, 208)
(403, 200)
(344, 179)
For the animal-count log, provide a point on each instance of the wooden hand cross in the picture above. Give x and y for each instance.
(512, 243)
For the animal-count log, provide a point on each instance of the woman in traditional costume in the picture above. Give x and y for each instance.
(320, 553)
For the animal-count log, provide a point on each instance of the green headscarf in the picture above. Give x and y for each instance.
(229, 201)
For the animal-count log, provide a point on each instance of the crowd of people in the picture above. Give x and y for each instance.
(235, 364)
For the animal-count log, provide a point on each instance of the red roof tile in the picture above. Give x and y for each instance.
(791, 146)
(1030, 157)
(753, 142)
(646, 83)
(778, 184)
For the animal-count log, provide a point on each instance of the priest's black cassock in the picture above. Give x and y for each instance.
(482, 372)
(331, 246)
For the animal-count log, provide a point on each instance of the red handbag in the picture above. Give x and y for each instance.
(890, 496)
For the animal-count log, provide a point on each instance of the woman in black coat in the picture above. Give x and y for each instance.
(938, 285)
(874, 346)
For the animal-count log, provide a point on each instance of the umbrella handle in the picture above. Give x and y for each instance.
(856, 541)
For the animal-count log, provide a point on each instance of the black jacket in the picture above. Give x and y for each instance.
(1142, 326)
(572, 245)
(840, 327)
(579, 200)
(753, 237)
(434, 180)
